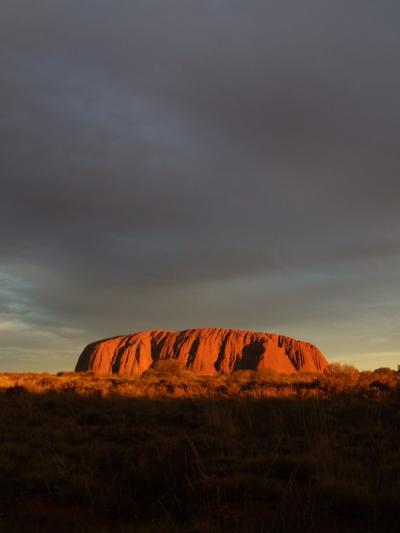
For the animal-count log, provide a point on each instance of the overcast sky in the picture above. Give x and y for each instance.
(172, 164)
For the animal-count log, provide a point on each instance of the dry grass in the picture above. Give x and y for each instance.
(250, 452)
(168, 379)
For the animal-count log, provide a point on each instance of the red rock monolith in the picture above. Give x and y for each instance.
(204, 351)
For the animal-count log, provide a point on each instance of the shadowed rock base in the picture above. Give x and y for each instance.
(203, 351)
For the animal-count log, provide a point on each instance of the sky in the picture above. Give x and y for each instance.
(172, 164)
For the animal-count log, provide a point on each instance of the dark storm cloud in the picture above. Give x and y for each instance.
(174, 164)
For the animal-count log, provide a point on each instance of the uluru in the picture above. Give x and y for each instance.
(204, 351)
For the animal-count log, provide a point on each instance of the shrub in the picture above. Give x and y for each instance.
(338, 378)
(168, 368)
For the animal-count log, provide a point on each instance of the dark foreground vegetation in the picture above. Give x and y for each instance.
(251, 452)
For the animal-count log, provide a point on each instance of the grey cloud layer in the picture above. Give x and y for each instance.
(173, 164)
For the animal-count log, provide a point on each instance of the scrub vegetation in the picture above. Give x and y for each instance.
(171, 451)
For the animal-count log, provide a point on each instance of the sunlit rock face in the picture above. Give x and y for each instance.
(203, 351)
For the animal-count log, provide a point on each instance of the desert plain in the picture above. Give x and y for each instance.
(171, 450)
